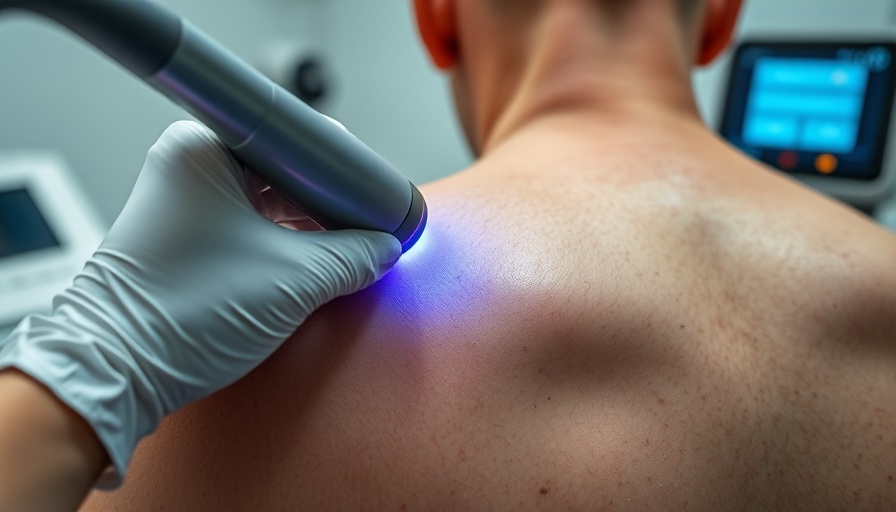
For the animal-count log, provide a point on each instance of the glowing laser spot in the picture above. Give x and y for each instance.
(419, 249)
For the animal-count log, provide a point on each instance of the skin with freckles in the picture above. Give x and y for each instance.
(611, 310)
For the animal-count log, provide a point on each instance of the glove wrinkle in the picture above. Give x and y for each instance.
(191, 289)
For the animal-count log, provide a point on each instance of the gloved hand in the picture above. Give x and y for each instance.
(191, 289)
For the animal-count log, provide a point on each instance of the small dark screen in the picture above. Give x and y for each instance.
(22, 227)
(819, 109)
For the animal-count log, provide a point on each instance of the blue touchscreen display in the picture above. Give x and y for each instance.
(22, 227)
(819, 109)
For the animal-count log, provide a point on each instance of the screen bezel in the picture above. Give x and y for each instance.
(865, 193)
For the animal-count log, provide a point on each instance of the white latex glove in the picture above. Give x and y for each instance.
(191, 290)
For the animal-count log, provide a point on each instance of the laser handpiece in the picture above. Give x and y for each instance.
(319, 167)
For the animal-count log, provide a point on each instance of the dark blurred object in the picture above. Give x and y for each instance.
(309, 81)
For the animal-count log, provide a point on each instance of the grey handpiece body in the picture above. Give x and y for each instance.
(309, 160)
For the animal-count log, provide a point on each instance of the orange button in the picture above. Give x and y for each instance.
(826, 164)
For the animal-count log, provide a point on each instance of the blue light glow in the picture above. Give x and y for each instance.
(417, 249)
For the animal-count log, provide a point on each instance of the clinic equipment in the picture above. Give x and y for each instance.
(321, 168)
(46, 232)
(820, 111)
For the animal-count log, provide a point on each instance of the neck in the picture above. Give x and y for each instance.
(585, 67)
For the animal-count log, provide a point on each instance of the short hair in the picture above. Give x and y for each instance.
(687, 9)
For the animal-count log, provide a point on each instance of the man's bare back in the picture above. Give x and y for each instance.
(626, 319)
(611, 309)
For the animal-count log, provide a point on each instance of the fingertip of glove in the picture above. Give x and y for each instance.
(188, 140)
(382, 249)
(180, 131)
(390, 247)
(187, 126)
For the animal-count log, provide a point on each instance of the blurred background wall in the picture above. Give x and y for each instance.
(57, 94)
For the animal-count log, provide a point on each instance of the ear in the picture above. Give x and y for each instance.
(437, 23)
(718, 28)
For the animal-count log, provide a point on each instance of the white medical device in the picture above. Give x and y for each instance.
(47, 232)
(820, 111)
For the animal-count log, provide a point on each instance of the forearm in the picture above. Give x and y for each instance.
(49, 456)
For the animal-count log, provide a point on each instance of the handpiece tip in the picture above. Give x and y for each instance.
(412, 228)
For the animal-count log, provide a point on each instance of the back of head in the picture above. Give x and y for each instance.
(521, 9)
(497, 50)
(446, 22)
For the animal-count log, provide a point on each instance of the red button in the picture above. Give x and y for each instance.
(788, 160)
